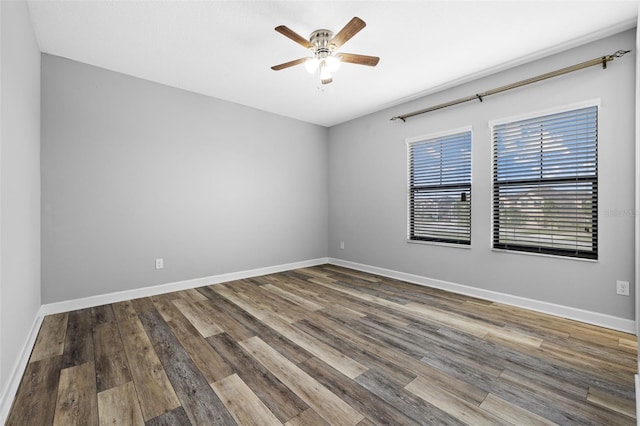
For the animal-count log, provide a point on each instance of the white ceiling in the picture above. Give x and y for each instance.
(225, 49)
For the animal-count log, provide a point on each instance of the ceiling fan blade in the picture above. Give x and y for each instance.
(352, 28)
(288, 64)
(287, 32)
(352, 58)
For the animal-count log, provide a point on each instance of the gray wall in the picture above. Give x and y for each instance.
(368, 185)
(133, 170)
(19, 183)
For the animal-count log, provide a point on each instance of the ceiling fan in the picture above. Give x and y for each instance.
(323, 45)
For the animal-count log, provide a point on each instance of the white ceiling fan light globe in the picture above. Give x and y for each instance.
(325, 72)
(311, 65)
(333, 63)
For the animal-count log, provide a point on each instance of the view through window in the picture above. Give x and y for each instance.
(545, 184)
(440, 189)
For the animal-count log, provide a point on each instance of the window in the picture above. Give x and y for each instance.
(545, 184)
(440, 188)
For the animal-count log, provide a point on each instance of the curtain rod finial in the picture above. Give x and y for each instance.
(621, 53)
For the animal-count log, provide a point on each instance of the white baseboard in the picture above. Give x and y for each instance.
(595, 318)
(120, 296)
(9, 392)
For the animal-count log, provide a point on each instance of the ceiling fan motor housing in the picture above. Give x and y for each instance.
(319, 40)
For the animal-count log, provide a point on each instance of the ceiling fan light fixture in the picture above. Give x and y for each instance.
(311, 65)
(325, 72)
(332, 63)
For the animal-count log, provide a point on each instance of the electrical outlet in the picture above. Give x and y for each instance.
(159, 263)
(341, 245)
(622, 288)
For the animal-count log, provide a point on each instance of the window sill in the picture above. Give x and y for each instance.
(436, 243)
(579, 259)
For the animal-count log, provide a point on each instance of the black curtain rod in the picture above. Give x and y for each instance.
(479, 96)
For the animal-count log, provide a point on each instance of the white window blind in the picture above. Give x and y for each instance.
(440, 189)
(545, 184)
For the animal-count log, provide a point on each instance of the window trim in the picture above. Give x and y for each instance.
(435, 135)
(527, 116)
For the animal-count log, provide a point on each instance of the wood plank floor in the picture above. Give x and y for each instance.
(323, 345)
